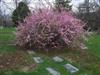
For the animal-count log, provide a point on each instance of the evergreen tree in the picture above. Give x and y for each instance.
(62, 4)
(20, 13)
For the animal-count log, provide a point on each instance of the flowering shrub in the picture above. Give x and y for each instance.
(49, 29)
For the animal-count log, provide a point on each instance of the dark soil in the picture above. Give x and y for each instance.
(14, 61)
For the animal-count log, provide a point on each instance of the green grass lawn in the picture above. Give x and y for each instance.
(94, 44)
(89, 64)
(7, 30)
(86, 68)
(7, 48)
(6, 38)
(48, 62)
(6, 34)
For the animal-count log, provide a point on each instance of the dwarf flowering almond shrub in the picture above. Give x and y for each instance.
(49, 29)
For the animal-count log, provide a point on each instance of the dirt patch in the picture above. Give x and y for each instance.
(28, 68)
(14, 61)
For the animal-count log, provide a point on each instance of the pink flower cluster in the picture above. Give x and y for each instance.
(49, 29)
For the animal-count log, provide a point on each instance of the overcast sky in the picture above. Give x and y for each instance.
(35, 3)
(9, 4)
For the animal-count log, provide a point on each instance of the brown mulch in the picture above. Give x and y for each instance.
(14, 61)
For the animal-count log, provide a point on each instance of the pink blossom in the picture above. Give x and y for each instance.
(49, 29)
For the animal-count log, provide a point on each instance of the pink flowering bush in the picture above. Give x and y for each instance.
(48, 29)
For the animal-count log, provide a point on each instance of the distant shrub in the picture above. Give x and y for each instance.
(48, 29)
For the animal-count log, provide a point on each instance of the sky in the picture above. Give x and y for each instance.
(75, 4)
(36, 3)
(9, 5)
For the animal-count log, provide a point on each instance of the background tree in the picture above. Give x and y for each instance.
(88, 13)
(15, 2)
(5, 20)
(20, 13)
(62, 4)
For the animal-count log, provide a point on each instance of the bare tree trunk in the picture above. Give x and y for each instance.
(87, 6)
(16, 3)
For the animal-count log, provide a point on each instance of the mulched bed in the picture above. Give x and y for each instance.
(14, 61)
